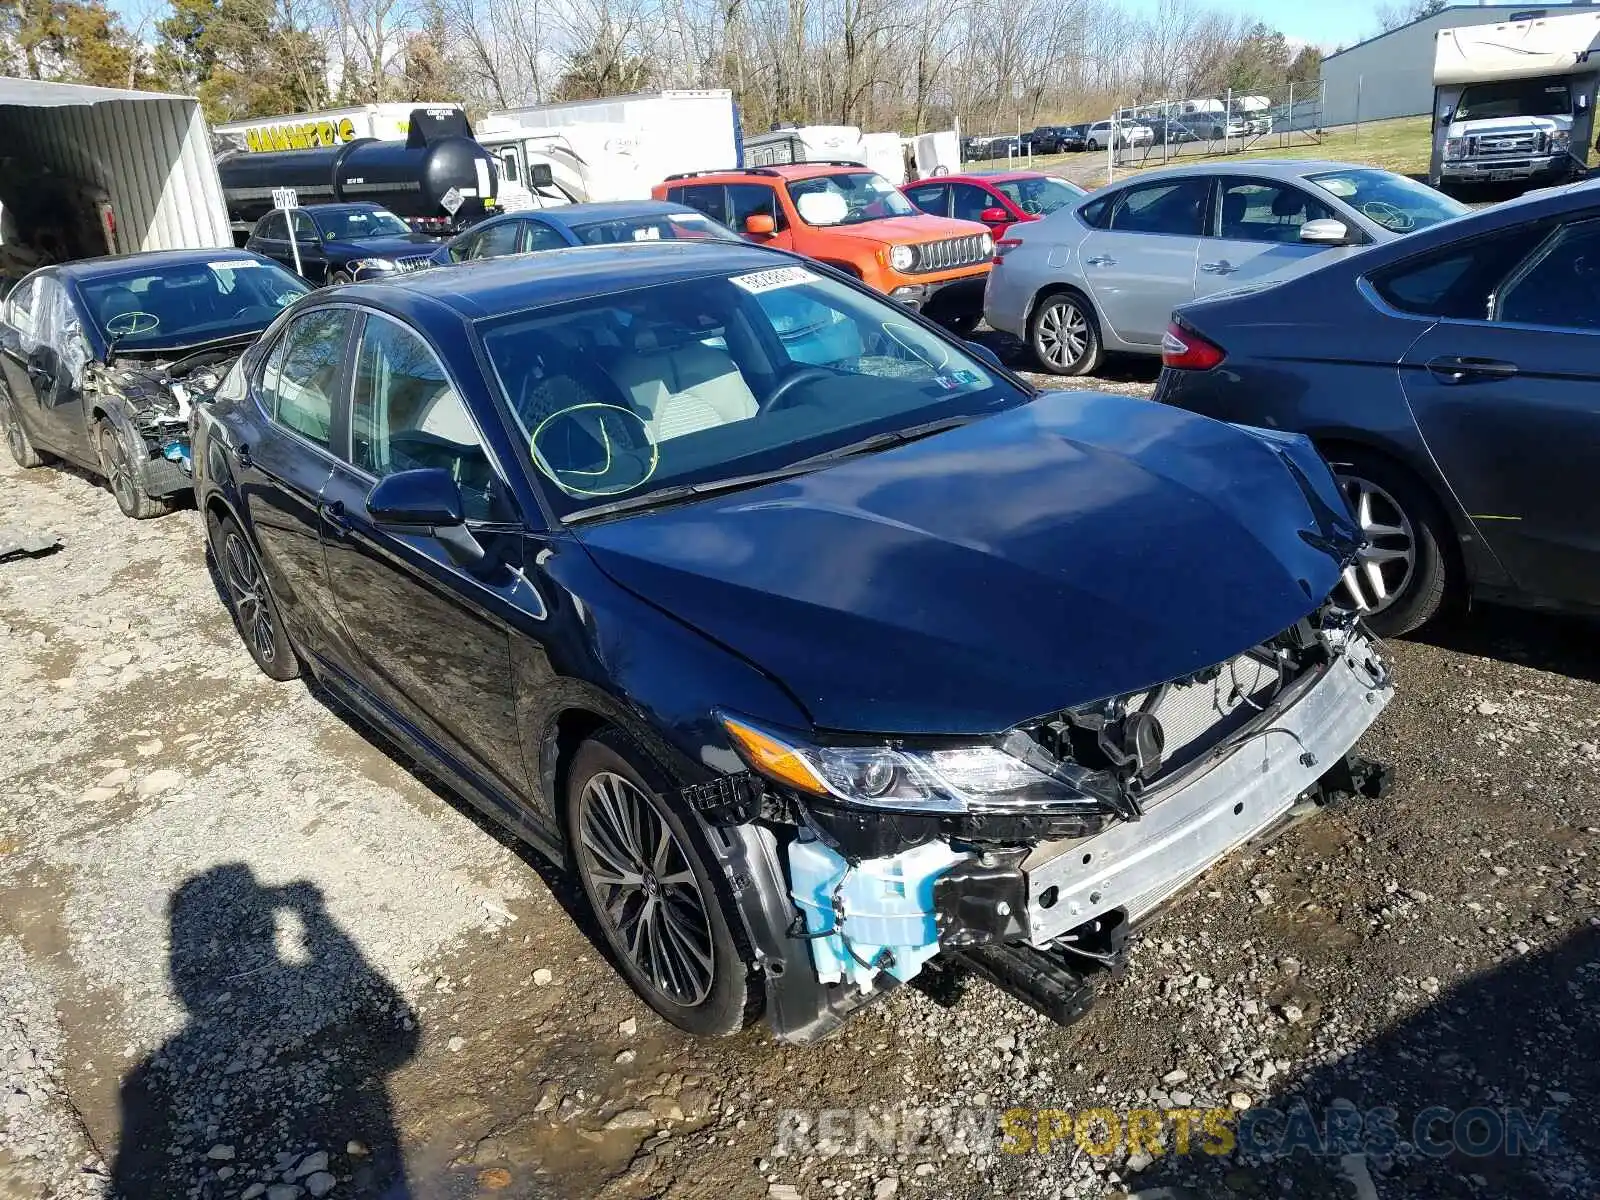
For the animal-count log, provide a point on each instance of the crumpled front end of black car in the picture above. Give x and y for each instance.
(1028, 858)
(156, 397)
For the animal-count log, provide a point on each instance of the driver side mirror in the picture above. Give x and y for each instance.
(1325, 232)
(760, 225)
(994, 216)
(427, 498)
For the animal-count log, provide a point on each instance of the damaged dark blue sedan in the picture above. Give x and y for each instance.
(824, 651)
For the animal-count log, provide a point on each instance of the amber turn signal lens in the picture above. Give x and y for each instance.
(773, 759)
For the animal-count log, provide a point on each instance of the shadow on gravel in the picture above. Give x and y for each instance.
(278, 1078)
(1562, 645)
(1495, 1084)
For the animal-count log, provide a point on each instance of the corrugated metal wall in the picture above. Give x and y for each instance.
(151, 154)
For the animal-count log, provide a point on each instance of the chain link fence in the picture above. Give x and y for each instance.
(1179, 130)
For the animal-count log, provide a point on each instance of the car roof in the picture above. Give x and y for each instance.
(988, 177)
(490, 287)
(147, 260)
(1269, 168)
(609, 210)
(337, 207)
(781, 170)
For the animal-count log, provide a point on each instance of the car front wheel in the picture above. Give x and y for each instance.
(647, 880)
(250, 602)
(120, 466)
(1064, 336)
(1400, 578)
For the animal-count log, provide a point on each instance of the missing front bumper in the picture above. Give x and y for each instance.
(1214, 806)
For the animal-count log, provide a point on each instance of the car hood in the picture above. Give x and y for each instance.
(907, 231)
(1076, 547)
(381, 247)
(1489, 126)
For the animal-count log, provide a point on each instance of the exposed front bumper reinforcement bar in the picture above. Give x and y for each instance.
(1211, 807)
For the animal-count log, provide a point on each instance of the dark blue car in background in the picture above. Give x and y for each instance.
(340, 242)
(822, 649)
(582, 225)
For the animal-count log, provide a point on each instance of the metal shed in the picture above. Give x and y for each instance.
(147, 154)
(1391, 75)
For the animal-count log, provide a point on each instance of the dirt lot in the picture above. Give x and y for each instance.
(245, 953)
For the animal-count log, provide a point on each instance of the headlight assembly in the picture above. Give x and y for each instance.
(944, 779)
(902, 258)
(986, 244)
(372, 264)
(1561, 141)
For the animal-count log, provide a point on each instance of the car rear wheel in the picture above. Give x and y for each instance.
(1064, 335)
(17, 440)
(250, 602)
(647, 880)
(120, 467)
(1399, 580)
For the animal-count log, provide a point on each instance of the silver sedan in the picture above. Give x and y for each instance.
(1106, 273)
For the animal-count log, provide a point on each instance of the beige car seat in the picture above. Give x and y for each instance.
(680, 385)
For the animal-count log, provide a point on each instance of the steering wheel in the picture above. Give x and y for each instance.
(1394, 219)
(807, 374)
(126, 324)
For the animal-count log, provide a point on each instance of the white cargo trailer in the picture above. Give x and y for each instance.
(87, 171)
(631, 143)
(1515, 101)
(329, 127)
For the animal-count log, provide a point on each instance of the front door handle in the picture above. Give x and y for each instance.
(333, 513)
(1219, 268)
(1452, 369)
(1100, 260)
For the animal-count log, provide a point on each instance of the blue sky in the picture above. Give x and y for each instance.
(1326, 23)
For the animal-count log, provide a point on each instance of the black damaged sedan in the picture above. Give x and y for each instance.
(824, 651)
(102, 359)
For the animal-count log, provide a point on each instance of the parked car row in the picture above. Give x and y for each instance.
(1441, 360)
(825, 651)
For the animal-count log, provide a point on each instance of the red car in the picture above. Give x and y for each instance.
(999, 199)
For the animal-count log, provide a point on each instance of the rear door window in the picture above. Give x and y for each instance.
(707, 198)
(1173, 207)
(1458, 280)
(301, 375)
(933, 198)
(1559, 286)
(272, 228)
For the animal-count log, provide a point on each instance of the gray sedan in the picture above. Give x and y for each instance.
(1105, 274)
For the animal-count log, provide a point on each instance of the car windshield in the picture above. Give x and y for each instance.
(1039, 196)
(655, 227)
(350, 225)
(721, 377)
(188, 304)
(848, 198)
(1514, 98)
(1398, 204)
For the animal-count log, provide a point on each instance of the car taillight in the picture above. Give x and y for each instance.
(1002, 246)
(1185, 350)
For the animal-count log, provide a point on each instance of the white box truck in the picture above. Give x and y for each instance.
(621, 146)
(329, 127)
(1514, 101)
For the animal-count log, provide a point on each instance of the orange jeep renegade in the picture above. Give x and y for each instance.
(851, 218)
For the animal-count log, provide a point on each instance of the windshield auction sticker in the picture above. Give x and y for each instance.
(768, 281)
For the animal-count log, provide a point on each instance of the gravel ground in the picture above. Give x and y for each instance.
(244, 952)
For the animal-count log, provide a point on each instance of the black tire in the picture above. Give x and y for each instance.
(1048, 338)
(119, 464)
(960, 324)
(16, 436)
(340, 276)
(1417, 595)
(731, 995)
(249, 599)
(1091, 145)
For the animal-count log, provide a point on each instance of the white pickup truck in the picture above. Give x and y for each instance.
(1515, 101)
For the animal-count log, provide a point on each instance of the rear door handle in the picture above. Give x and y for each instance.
(333, 513)
(1453, 369)
(1219, 268)
(1101, 260)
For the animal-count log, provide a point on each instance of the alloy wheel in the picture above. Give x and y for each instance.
(242, 573)
(119, 472)
(1063, 333)
(1383, 568)
(645, 888)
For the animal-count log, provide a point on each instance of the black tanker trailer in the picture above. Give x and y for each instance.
(438, 180)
